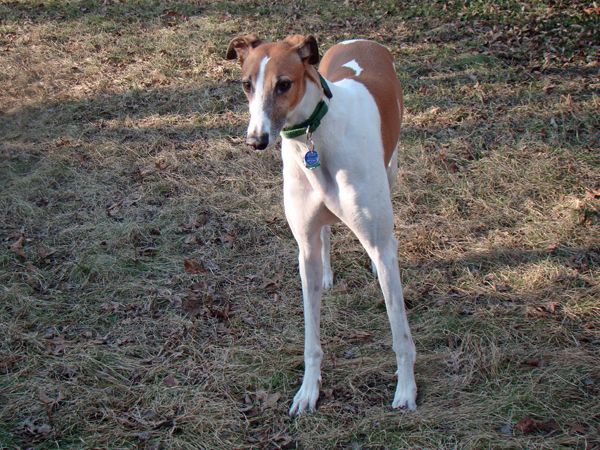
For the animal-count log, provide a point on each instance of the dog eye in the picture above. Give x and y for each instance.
(247, 85)
(283, 86)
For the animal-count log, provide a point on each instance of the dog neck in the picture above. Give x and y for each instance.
(313, 94)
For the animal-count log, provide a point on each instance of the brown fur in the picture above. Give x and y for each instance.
(378, 76)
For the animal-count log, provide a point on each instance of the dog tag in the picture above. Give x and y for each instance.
(311, 160)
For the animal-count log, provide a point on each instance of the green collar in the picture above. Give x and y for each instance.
(313, 122)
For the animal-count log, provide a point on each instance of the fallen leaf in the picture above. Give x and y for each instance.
(45, 252)
(588, 381)
(576, 428)
(271, 285)
(202, 288)
(198, 222)
(220, 311)
(166, 423)
(342, 287)
(567, 100)
(144, 436)
(351, 353)
(65, 373)
(56, 346)
(535, 362)
(282, 440)
(258, 402)
(359, 336)
(170, 381)
(50, 403)
(161, 164)
(200, 293)
(38, 431)
(270, 400)
(192, 305)
(61, 142)
(548, 88)
(530, 426)
(502, 287)
(8, 362)
(227, 240)
(17, 247)
(592, 11)
(192, 266)
(148, 251)
(592, 195)
(146, 171)
(542, 310)
(191, 239)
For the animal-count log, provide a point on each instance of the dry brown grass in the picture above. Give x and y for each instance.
(122, 156)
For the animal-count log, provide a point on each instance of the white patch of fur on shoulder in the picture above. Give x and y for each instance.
(354, 66)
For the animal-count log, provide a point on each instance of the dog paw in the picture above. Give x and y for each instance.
(405, 398)
(305, 399)
(327, 279)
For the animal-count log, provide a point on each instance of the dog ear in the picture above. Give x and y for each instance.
(241, 45)
(306, 46)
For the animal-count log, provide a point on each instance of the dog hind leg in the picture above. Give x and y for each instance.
(386, 262)
(378, 239)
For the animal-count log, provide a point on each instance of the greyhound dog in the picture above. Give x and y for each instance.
(340, 127)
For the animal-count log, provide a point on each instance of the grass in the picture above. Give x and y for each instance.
(122, 157)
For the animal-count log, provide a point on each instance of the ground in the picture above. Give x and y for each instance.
(148, 279)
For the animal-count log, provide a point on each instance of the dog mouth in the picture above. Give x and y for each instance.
(264, 141)
(258, 142)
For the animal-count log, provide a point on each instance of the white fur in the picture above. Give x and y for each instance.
(260, 122)
(354, 66)
(352, 186)
(351, 41)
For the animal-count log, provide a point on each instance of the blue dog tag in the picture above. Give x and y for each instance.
(311, 159)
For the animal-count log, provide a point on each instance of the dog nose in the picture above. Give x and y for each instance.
(258, 142)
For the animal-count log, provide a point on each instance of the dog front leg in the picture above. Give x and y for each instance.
(326, 256)
(311, 273)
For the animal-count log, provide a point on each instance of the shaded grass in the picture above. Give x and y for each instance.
(123, 156)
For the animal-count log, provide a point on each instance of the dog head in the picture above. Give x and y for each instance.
(274, 80)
